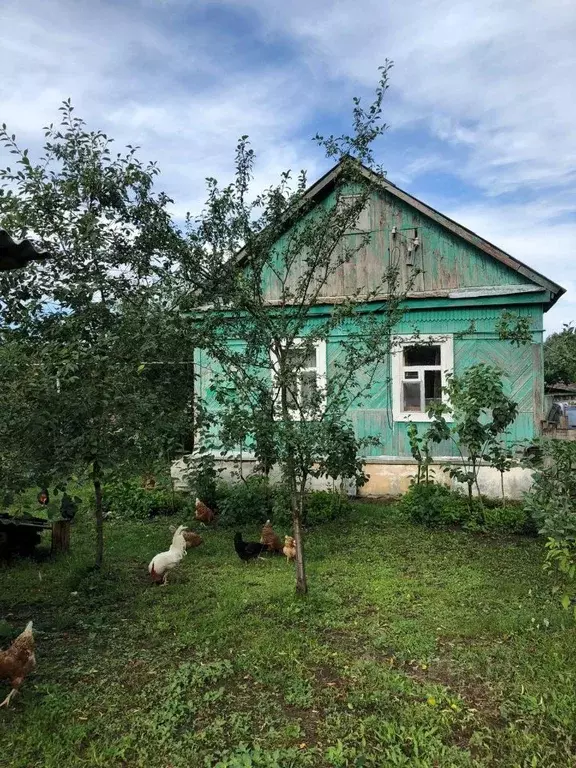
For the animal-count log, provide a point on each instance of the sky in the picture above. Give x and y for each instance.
(481, 107)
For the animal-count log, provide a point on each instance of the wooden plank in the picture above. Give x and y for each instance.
(492, 290)
(60, 536)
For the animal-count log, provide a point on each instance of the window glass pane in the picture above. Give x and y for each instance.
(292, 391)
(307, 387)
(299, 358)
(309, 360)
(422, 355)
(411, 396)
(411, 375)
(432, 387)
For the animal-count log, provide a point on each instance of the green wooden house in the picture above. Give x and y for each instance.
(463, 282)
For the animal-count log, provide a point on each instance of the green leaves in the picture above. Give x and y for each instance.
(480, 412)
(77, 329)
(552, 502)
(560, 356)
(515, 328)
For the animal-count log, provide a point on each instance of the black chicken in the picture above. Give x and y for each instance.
(247, 550)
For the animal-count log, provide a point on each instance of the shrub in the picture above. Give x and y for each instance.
(432, 504)
(492, 516)
(246, 502)
(128, 499)
(323, 506)
(255, 500)
(202, 475)
(436, 505)
(552, 504)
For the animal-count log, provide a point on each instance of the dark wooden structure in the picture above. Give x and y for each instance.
(15, 255)
(60, 531)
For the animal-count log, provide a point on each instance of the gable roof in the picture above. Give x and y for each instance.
(325, 183)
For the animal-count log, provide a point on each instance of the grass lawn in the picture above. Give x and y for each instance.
(414, 648)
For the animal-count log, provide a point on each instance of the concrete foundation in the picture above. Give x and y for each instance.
(389, 476)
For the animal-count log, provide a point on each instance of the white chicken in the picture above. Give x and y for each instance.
(166, 561)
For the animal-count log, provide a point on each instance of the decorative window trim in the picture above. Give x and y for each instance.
(320, 348)
(446, 343)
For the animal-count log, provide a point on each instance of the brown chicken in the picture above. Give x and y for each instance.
(17, 662)
(289, 548)
(270, 539)
(203, 513)
(192, 539)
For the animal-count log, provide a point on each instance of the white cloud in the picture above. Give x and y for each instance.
(165, 89)
(532, 234)
(492, 76)
(480, 91)
(492, 82)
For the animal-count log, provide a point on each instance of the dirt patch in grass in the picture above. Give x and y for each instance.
(477, 696)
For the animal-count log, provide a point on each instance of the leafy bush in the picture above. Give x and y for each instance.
(323, 506)
(492, 516)
(128, 499)
(431, 504)
(552, 504)
(255, 500)
(436, 505)
(202, 475)
(246, 502)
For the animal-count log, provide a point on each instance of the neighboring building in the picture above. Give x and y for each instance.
(561, 393)
(560, 410)
(464, 280)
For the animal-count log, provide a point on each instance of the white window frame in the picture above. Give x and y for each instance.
(320, 348)
(446, 343)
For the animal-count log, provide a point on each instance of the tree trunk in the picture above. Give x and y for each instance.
(470, 496)
(502, 487)
(475, 470)
(60, 536)
(295, 501)
(301, 582)
(99, 516)
(173, 494)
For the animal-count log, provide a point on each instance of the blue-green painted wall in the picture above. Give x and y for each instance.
(448, 263)
(522, 368)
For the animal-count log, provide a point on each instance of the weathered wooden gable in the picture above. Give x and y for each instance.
(406, 232)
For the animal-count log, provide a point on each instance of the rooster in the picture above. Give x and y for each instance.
(166, 561)
(289, 548)
(270, 539)
(203, 513)
(17, 662)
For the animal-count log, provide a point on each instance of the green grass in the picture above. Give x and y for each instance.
(414, 648)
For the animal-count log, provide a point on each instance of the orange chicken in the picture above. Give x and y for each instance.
(192, 539)
(17, 662)
(289, 548)
(203, 513)
(270, 539)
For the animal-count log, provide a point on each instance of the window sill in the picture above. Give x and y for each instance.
(413, 416)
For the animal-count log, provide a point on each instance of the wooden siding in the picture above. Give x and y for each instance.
(447, 262)
(522, 368)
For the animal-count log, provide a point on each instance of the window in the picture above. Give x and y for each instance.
(418, 375)
(310, 375)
